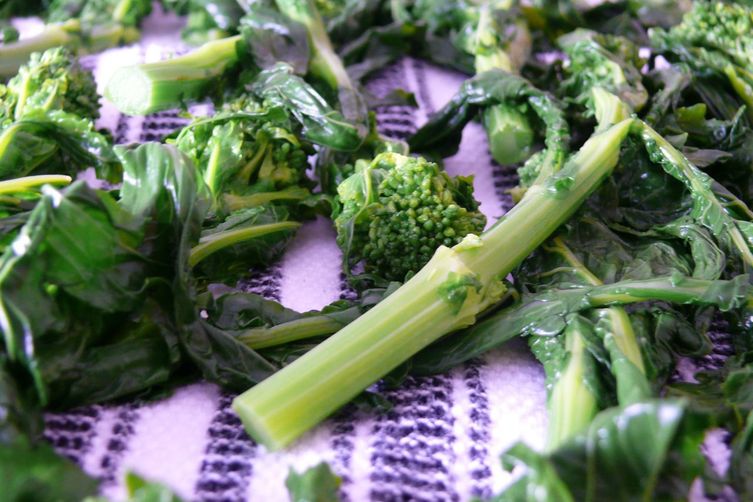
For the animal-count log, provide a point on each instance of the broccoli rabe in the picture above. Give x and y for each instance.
(477, 37)
(397, 210)
(47, 117)
(722, 26)
(51, 80)
(447, 294)
(293, 34)
(714, 37)
(241, 152)
(253, 155)
(606, 61)
(260, 141)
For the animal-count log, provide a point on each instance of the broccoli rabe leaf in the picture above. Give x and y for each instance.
(37, 472)
(211, 19)
(273, 38)
(261, 323)
(315, 484)
(280, 87)
(545, 313)
(610, 459)
(443, 131)
(247, 237)
(96, 287)
(47, 115)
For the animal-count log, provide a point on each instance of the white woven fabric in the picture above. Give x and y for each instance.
(441, 441)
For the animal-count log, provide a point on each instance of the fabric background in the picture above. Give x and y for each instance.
(442, 439)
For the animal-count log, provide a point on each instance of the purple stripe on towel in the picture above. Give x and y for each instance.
(412, 448)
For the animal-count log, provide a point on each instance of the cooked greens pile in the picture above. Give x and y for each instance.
(628, 252)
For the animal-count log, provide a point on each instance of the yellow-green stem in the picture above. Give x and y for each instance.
(215, 242)
(22, 184)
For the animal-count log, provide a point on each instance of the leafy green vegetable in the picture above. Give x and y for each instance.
(613, 459)
(443, 131)
(715, 36)
(315, 484)
(417, 314)
(36, 472)
(546, 313)
(47, 115)
(618, 263)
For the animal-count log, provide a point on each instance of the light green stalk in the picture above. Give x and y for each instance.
(234, 202)
(507, 128)
(572, 404)
(69, 34)
(32, 182)
(618, 334)
(445, 295)
(300, 329)
(151, 87)
(215, 242)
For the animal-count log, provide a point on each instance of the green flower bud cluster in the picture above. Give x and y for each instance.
(415, 208)
(51, 80)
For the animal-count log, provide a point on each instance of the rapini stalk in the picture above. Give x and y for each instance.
(447, 294)
(151, 87)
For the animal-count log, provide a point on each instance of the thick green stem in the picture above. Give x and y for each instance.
(215, 242)
(151, 87)
(445, 295)
(509, 134)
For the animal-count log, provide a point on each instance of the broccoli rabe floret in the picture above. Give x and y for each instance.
(714, 39)
(599, 60)
(241, 152)
(721, 26)
(397, 210)
(51, 80)
(47, 115)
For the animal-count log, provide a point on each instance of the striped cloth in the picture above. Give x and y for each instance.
(442, 439)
